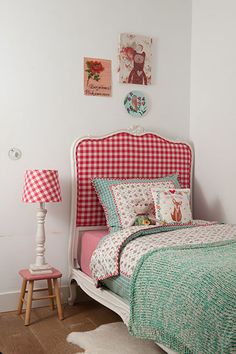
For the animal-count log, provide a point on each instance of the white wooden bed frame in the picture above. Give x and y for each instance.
(105, 296)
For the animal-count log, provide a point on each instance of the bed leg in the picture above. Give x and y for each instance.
(72, 289)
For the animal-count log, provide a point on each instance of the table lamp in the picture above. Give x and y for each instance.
(41, 186)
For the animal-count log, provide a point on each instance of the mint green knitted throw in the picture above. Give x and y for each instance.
(185, 298)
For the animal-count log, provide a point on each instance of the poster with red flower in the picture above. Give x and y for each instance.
(97, 77)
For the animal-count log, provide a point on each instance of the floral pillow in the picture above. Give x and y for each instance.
(118, 197)
(172, 206)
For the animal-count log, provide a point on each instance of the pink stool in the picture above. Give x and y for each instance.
(50, 277)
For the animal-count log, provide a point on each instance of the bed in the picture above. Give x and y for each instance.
(126, 154)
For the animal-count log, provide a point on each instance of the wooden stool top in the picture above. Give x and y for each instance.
(25, 273)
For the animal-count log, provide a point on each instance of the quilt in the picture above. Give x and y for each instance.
(197, 261)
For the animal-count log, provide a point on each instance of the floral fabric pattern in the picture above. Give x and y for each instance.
(126, 195)
(108, 199)
(116, 255)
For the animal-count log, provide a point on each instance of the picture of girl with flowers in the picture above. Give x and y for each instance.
(135, 56)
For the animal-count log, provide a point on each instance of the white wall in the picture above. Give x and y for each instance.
(213, 107)
(43, 109)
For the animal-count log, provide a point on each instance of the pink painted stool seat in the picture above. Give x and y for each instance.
(25, 273)
(53, 291)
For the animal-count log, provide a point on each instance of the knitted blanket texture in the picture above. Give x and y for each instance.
(185, 298)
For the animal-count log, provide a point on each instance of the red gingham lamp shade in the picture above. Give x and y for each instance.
(41, 186)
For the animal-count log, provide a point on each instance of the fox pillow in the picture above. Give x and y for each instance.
(172, 206)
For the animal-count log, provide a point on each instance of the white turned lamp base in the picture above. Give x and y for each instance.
(40, 269)
(40, 266)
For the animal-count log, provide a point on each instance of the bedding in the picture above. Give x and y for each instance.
(120, 285)
(195, 298)
(88, 243)
(118, 196)
(203, 255)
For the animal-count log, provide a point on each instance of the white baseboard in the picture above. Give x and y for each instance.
(9, 300)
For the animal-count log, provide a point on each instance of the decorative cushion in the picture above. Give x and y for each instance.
(172, 206)
(118, 196)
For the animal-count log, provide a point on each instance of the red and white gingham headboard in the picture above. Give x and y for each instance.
(124, 155)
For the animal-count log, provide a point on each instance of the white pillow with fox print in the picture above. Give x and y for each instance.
(172, 206)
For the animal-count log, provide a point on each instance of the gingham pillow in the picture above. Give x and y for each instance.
(172, 206)
(118, 196)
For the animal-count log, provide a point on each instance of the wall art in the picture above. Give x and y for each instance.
(97, 77)
(135, 54)
(136, 104)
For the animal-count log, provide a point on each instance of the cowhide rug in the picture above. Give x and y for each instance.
(112, 338)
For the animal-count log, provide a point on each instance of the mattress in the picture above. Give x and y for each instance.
(88, 242)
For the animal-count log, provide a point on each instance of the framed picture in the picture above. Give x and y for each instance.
(135, 104)
(97, 77)
(135, 54)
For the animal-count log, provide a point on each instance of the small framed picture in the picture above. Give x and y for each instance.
(136, 104)
(97, 77)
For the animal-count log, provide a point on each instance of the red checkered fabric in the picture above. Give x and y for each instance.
(41, 186)
(124, 155)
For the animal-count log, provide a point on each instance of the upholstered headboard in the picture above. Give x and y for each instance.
(124, 154)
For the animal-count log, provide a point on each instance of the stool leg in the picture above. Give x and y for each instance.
(22, 296)
(29, 303)
(58, 299)
(50, 292)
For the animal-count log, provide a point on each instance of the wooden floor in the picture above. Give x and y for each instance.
(46, 334)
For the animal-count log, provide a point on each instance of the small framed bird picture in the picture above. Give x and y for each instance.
(135, 104)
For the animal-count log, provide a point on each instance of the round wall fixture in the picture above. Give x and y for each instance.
(136, 104)
(14, 153)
